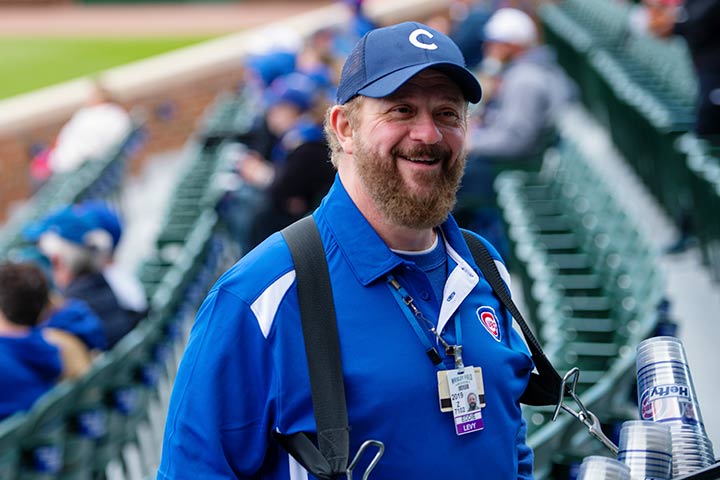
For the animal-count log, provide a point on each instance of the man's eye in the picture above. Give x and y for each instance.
(402, 109)
(450, 116)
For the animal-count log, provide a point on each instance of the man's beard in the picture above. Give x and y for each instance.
(400, 203)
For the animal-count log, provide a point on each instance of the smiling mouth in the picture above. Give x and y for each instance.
(422, 161)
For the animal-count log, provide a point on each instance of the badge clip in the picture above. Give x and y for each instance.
(456, 352)
(584, 416)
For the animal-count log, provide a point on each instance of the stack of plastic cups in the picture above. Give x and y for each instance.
(646, 447)
(596, 467)
(667, 396)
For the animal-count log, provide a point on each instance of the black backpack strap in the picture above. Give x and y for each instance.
(317, 311)
(544, 386)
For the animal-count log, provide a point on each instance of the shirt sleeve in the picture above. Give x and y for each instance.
(221, 406)
(525, 453)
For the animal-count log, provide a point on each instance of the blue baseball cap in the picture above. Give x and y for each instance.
(74, 222)
(295, 88)
(34, 230)
(102, 216)
(270, 66)
(67, 222)
(385, 58)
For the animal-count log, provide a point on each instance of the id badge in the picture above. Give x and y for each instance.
(464, 397)
(444, 390)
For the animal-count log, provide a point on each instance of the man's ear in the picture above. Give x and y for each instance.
(342, 128)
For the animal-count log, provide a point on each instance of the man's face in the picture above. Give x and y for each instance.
(408, 150)
(472, 400)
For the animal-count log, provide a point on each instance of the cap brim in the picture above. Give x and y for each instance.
(465, 79)
(33, 231)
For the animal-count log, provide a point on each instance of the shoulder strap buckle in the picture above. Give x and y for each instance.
(584, 416)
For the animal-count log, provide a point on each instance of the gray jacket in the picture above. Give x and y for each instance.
(533, 88)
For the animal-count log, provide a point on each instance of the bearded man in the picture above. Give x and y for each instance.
(404, 284)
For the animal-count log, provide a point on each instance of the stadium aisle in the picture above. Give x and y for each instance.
(695, 298)
(144, 202)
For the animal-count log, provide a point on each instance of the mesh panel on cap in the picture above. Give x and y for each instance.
(353, 75)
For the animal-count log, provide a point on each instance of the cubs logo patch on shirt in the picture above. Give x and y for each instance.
(487, 317)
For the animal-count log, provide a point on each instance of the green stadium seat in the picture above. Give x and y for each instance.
(12, 431)
(46, 431)
(89, 415)
(590, 282)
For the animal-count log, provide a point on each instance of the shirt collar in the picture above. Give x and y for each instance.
(366, 253)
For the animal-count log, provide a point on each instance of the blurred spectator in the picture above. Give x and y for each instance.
(77, 249)
(319, 59)
(288, 182)
(523, 90)
(262, 69)
(33, 360)
(697, 21)
(76, 317)
(347, 35)
(467, 20)
(127, 287)
(101, 215)
(91, 133)
(73, 316)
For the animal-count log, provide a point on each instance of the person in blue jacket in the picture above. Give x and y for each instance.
(33, 357)
(397, 137)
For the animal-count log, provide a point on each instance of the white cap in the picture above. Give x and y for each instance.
(510, 25)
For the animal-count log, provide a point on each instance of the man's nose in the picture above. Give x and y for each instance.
(425, 129)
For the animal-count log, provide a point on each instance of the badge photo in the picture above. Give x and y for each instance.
(487, 317)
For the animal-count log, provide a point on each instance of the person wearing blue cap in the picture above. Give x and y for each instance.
(126, 286)
(404, 284)
(289, 183)
(77, 248)
(71, 315)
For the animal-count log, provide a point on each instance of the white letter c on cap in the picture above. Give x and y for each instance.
(414, 39)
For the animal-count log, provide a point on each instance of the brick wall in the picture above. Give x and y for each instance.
(172, 114)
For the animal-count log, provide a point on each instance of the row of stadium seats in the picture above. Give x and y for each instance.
(642, 89)
(590, 280)
(703, 167)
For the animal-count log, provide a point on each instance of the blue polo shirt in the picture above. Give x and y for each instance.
(244, 373)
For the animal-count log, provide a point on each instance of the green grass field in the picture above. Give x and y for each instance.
(29, 63)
